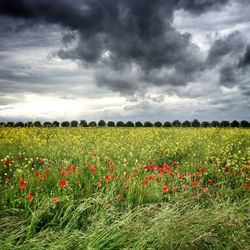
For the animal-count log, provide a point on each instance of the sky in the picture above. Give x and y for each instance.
(135, 60)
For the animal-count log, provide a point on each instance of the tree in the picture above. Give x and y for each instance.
(47, 124)
(195, 123)
(176, 123)
(19, 124)
(120, 124)
(92, 124)
(74, 124)
(83, 123)
(28, 124)
(244, 124)
(138, 124)
(2, 124)
(167, 125)
(37, 124)
(215, 124)
(101, 123)
(225, 124)
(10, 124)
(158, 124)
(65, 124)
(235, 124)
(56, 124)
(111, 124)
(129, 124)
(186, 124)
(148, 124)
(205, 124)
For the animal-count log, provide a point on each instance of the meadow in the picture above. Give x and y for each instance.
(124, 188)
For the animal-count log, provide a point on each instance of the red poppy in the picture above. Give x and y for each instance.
(202, 170)
(248, 162)
(40, 161)
(197, 175)
(181, 176)
(226, 167)
(209, 181)
(174, 188)
(6, 180)
(23, 187)
(63, 173)
(145, 181)
(118, 197)
(166, 167)
(195, 184)
(185, 186)
(246, 186)
(22, 181)
(55, 200)
(37, 173)
(113, 176)
(111, 169)
(165, 189)
(205, 189)
(234, 172)
(63, 182)
(94, 154)
(73, 166)
(46, 170)
(7, 162)
(107, 178)
(98, 184)
(43, 177)
(150, 177)
(127, 187)
(30, 197)
(171, 174)
(109, 160)
(92, 168)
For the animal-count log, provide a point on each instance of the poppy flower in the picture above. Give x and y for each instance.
(55, 200)
(23, 187)
(118, 197)
(171, 174)
(6, 180)
(8, 162)
(113, 176)
(37, 173)
(94, 154)
(46, 170)
(234, 173)
(185, 186)
(22, 181)
(63, 182)
(30, 197)
(145, 181)
(197, 175)
(205, 189)
(111, 169)
(98, 184)
(209, 181)
(195, 183)
(203, 170)
(165, 189)
(150, 177)
(181, 176)
(107, 178)
(127, 187)
(73, 166)
(43, 178)
(63, 173)
(226, 167)
(166, 167)
(248, 162)
(40, 161)
(92, 168)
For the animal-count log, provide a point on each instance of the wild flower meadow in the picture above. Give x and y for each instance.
(124, 188)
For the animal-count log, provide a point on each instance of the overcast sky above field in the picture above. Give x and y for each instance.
(124, 60)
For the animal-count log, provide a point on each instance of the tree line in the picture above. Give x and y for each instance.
(83, 123)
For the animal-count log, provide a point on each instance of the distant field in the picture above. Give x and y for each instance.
(124, 188)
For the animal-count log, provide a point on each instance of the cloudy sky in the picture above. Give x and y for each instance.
(124, 60)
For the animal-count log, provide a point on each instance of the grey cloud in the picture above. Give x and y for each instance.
(245, 59)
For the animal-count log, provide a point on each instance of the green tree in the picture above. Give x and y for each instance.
(37, 124)
(101, 123)
(215, 124)
(225, 124)
(74, 124)
(111, 124)
(167, 125)
(47, 124)
(235, 124)
(83, 123)
(176, 123)
(19, 124)
(129, 124)
(186, 124)
(65, 124)
(92, 124)
(158, 124)
(148, 124)
(56, 124)
(205, 124)
(195, 123)
(138, 124)
(120, 124)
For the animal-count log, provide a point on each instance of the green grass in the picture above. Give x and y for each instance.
(131, 210)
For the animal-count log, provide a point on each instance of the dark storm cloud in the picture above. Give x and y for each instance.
(245, 59)
(121, 35)
(227, 76)
(230, 45)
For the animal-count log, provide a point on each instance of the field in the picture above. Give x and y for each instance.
(124, 188)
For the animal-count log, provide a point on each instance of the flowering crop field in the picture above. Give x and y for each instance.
(124, 188)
